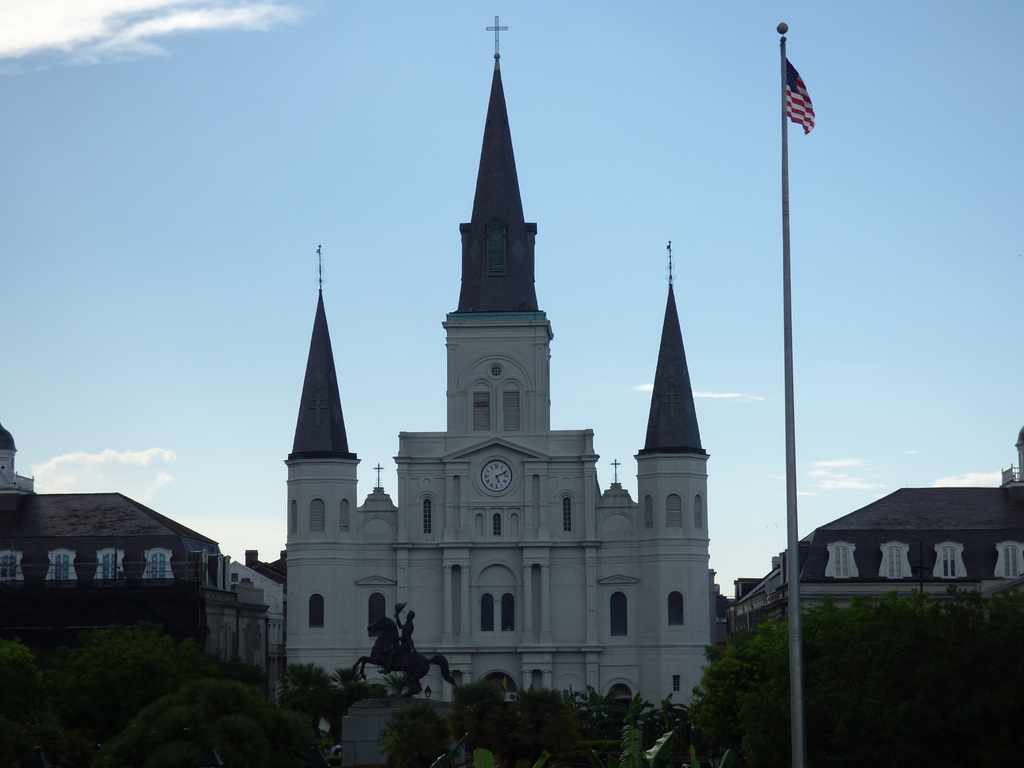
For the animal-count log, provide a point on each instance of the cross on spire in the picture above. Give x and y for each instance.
(669, 249)
(379, 469)
(319, 268)
(672, 398)
(319, 403)
(616, 464)
(496, 30)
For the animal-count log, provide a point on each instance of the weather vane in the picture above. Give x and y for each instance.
(496, 30)
(669, 249)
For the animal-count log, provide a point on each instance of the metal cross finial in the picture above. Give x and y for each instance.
(319, 268)
(379, 469)
(496, 30)
(616, 464)
(669, 248)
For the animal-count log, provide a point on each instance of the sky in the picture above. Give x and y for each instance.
(168, 170)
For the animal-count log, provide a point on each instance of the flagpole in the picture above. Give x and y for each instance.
(796, 662)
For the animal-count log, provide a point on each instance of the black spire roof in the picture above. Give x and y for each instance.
(497, 245)
(320, 429)
(672, 425)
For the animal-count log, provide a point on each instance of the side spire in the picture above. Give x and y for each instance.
(672, 424)
(497, 244)
(320, 429)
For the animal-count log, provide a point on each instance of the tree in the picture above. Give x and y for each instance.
(415, 736)
(228, 715)
(889, 681)
(477, 710)
(541, 719)
(100, 686)
(308, 690)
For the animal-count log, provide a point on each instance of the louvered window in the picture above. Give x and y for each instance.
(510, 409)
(317, 511)
(674, 511)
(481, 410)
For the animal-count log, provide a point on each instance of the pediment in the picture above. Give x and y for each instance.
(496, 445)
(376, 581)
(619, 578)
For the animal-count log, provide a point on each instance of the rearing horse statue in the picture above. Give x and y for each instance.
(387, 655)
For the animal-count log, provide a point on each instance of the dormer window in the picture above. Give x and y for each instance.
(158, 564)
(10, 565)
(895, 564)
(109, 563)
(949, 561)
(1009, 559)
(496, 232)
(62, 565)
(841, 563)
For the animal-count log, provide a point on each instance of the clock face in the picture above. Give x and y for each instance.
(496, 475)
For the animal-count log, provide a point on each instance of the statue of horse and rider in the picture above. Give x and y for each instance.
(393, 651)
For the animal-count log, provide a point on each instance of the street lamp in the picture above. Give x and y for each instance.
(427, 691)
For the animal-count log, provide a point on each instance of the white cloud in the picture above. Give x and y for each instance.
(826, 476)
(722, 395)
(970, 480)
(87, 31)
(136, 474)
(833, 463)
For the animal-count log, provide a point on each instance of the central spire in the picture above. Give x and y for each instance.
(497, 244)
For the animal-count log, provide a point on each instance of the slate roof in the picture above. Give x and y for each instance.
(978, 518)
(320, 427)
(497, 199)
(104, 515)
(672, 423)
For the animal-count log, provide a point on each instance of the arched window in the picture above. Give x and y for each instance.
(617, 614)
(343, 515)
(508, 612)
(428, 522)
(376, 608)
(158, 564)
(698, 511)
(61, 565)
(842, 564)
(317, 512)
(675, 608)
(566, 514)
(674, 511)
(316, 611)
(496, 247)
(487, 613)
(648, 512)
(293, 517)
(895, 563)
(496, 524)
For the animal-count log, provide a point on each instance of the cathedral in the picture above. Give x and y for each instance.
(517, 566)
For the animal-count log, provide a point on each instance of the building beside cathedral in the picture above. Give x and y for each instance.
(517, 566)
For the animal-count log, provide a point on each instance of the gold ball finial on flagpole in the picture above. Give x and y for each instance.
(783, 28)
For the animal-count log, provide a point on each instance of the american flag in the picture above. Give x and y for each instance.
(798, 100)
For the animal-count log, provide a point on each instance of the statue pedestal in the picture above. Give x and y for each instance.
(361, 727)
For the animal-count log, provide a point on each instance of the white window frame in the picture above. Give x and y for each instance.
(15, 557)
(1003, 569)
(52, 555)
(942, 561)
(150, 555)
(118, 565)
(841, 561)
(895, 553)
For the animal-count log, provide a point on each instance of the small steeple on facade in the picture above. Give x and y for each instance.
(321, 498)
(320, 428)
(672, 424)
(672, 483)
(11, 481)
